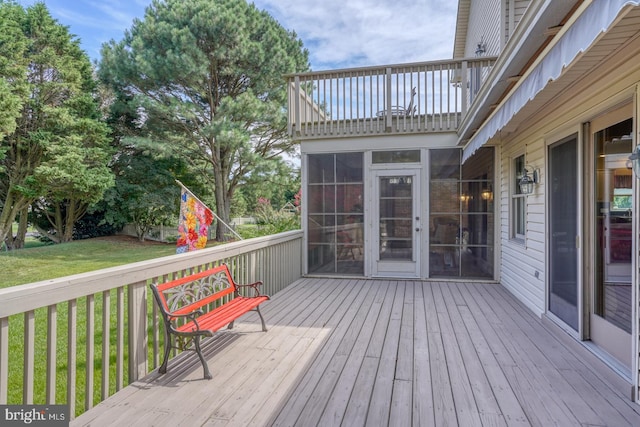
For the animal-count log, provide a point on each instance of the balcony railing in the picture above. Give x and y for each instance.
(410, 98)
(47, 317)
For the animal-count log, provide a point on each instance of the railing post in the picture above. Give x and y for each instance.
(388, 121)
(72, 341)
(52, 340)
(137, 311)
(4, 359)
(465, 88)
(297, 121)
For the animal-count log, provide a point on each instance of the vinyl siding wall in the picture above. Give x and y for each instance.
(484, 24)
(513, 11)
(522, 258)
(561, 118)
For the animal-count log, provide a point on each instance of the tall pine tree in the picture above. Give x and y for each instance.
(206, 77)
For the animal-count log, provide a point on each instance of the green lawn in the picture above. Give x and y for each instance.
(48, 262)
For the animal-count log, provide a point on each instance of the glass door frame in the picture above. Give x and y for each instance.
(404, 269)
(605, 336)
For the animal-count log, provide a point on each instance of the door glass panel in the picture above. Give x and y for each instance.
(396, 218)
(612, 293)
(563, 207)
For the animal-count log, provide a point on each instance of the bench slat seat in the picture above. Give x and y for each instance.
(200, 304)
(225, 314)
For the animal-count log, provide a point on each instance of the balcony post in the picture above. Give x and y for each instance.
(137, 308)
(464, 85)
(297, 121)
(388, 121)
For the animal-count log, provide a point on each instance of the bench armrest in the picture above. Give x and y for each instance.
(254, 286)
(190, 316)
(193, 316)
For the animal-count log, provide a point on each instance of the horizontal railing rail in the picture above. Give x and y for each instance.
(406, 98)
(102, 327)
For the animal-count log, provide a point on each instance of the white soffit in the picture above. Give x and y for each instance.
(596, 19)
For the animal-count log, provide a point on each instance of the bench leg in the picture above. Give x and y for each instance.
(264, 327)
(167, 350)
(205, 367)
(230, 325)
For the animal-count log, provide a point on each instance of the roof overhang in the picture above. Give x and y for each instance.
(585, 26)
(462, 26)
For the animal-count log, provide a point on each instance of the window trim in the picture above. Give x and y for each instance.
(516, 197)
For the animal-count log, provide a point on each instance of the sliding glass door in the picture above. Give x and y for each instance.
(563, 230)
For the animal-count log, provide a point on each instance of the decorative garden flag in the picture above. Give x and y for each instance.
(195, 219)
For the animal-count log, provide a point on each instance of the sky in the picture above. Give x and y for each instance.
(337, 33)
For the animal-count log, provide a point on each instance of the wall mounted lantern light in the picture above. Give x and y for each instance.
(634, 158)
(487, 194)
(527, 181)
(481, 48)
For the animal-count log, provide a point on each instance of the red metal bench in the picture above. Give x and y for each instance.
(207, 301)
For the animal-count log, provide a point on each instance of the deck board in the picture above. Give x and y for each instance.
(357, 352)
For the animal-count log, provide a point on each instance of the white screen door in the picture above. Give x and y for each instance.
(396, 243)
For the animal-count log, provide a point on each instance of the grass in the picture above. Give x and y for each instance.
(52, 261)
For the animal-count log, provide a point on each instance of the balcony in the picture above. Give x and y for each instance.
(338, 352)
(413, 98)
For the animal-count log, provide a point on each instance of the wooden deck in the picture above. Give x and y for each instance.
(369, 352)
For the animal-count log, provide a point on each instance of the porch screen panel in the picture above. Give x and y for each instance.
(335, 218)
(461, 214)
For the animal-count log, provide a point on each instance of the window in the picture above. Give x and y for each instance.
(517, 200)
(406, 156)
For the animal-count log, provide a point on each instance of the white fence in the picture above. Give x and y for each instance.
(65, 319)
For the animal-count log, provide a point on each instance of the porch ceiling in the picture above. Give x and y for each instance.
(618, 44)
(354, 351)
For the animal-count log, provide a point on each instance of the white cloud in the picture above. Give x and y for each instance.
(341, 33)
(118, 12)
(337, 33)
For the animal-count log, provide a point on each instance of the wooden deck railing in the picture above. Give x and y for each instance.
(65, 319)
(409, 98)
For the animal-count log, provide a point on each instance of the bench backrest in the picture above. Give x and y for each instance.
(189, 293)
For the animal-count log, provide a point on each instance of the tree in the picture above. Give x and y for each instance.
(73, 175)
(278, 181)
(206, 79)
(56, 151)
(145, 193)
(13, 87)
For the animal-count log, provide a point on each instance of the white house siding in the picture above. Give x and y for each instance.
(559, 118)
(520, 7)
(520, 260)
(484, 25)
(513, 11)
